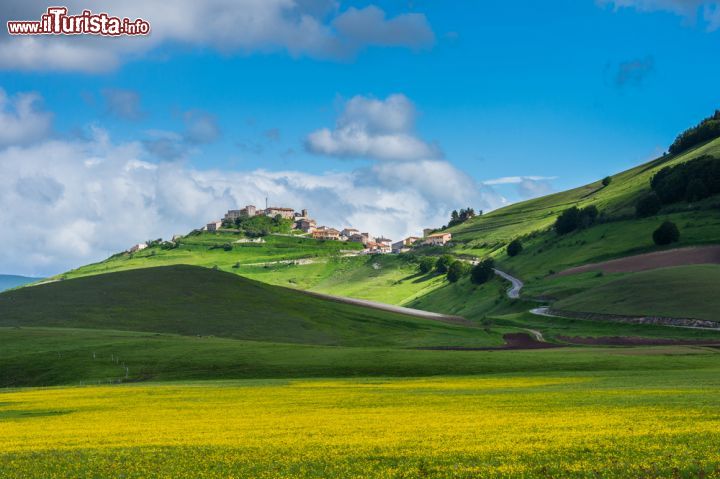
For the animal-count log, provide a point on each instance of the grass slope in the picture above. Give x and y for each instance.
(61, 356)
(483, 234)
(680, 292)
(207, 249)
(198, 301)
(394, 280)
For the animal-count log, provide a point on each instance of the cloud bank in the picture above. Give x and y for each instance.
(314, 28)
(374, 129)
(70, 202)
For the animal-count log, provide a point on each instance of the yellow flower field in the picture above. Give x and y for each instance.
(565, 426)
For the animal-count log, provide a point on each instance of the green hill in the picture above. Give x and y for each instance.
(655, 293)
(329, 267)
(196, 301)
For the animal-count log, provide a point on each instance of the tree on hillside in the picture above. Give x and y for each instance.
(606, 181)
(648, 205)
(667, 233)
(514, 248)
(426, 265)
(690, 181)
(483, 271)
(443, 263)
(588, 216)
(458, 217)
(576, 218)
(457, 270)
(567, 221)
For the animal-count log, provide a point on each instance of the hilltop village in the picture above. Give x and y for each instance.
(304, 225)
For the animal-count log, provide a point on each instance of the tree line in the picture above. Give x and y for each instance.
(706, 130)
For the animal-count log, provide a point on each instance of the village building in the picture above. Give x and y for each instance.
(213, 226)
(348, 232)
(287, 213)
(306, 225)
(373, 247)
(248, 212)
(385, 242)
(438, 239)
(363, 238)
(325, 233)
(137, 247)
(427, 232)
(404, 246)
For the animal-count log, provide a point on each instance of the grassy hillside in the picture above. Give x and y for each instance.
(202, 302)
(485, 234)
(225, 250)
(328, 267)
(655, 293)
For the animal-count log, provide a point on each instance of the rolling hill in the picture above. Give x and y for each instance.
(195, 301)
(330, 267)
(654, 293)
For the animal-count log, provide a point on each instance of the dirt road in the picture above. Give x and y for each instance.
(517, 285)
(396, 309)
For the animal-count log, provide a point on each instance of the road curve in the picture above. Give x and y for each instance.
(514, 291)
(418, 313)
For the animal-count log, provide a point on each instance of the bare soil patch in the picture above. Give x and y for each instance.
(513, 341)
(648, 261)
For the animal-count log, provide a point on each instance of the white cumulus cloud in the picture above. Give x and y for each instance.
(65, 203)
(374, 129)
(526, 186)
(314, 28)
(21, 119)
(68, 203)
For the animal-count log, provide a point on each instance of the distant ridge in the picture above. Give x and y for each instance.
(9, 281)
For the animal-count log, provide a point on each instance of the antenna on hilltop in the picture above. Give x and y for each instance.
(266, 203)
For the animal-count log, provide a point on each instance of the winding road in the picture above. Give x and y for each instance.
(516, 285)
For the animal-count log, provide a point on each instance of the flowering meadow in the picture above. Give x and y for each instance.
(642, 424)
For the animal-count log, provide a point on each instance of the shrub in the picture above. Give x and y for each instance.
(443, 263)
(667, 233)
(426, 265)
(696, 190)
(648, 205)
(483, 271)
(514, 248)
(606, 181)
(588, 216)
(457, 270)
(568, 220)
(576, 218)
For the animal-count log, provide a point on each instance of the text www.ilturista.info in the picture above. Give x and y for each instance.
(57, 22)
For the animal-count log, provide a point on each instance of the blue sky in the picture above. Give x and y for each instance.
(561, 93)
